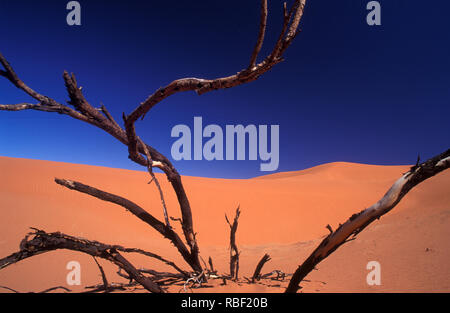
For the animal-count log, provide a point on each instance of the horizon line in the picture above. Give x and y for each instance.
(253, 177)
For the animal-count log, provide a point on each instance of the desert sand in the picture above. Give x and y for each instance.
(283, 214)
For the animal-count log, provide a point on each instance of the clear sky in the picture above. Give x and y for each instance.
(346, 91)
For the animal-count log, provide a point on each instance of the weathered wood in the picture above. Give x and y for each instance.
(102, 272)
(42, 242)
(262, 31)
(234, 252)
(140, 152)
(259, 266)
(359, 221)
(211, 266)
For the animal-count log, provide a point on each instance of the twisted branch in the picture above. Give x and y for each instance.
(42, 242)
(142, 153)
(359, 221)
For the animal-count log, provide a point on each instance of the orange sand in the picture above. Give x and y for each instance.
(283, 214)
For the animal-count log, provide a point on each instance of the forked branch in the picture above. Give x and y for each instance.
(201, 86)
(142, 153)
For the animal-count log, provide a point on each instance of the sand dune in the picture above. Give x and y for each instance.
(283, 214)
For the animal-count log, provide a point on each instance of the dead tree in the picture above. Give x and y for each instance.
(211, 266)
(42, 242)
(359, 221)
(147, 156)
(234, 252)
(259, 266)
(142, 153)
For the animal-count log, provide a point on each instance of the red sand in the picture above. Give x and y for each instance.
(283, 214)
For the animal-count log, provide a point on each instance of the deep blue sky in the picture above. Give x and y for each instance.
(346, 91)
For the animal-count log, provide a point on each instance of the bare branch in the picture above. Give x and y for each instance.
(20, 106)
(297, 11)
(56, 288)
(201, 86)
(85, 112)
(262, 31)
(155, 256)
(43, 242)
(109, 116)
(102, 272)
(111, 287)
(152, 175)
(234, 252)
(13, 78)
(358, 222)
(280, 275)
(47, 104)
(10, 289)
(135, 144)
(134, 209)
(57, 108)
(211, 266)
(259, 266)
(78, 101)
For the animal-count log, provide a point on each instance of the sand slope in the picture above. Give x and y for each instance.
(283, 214)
